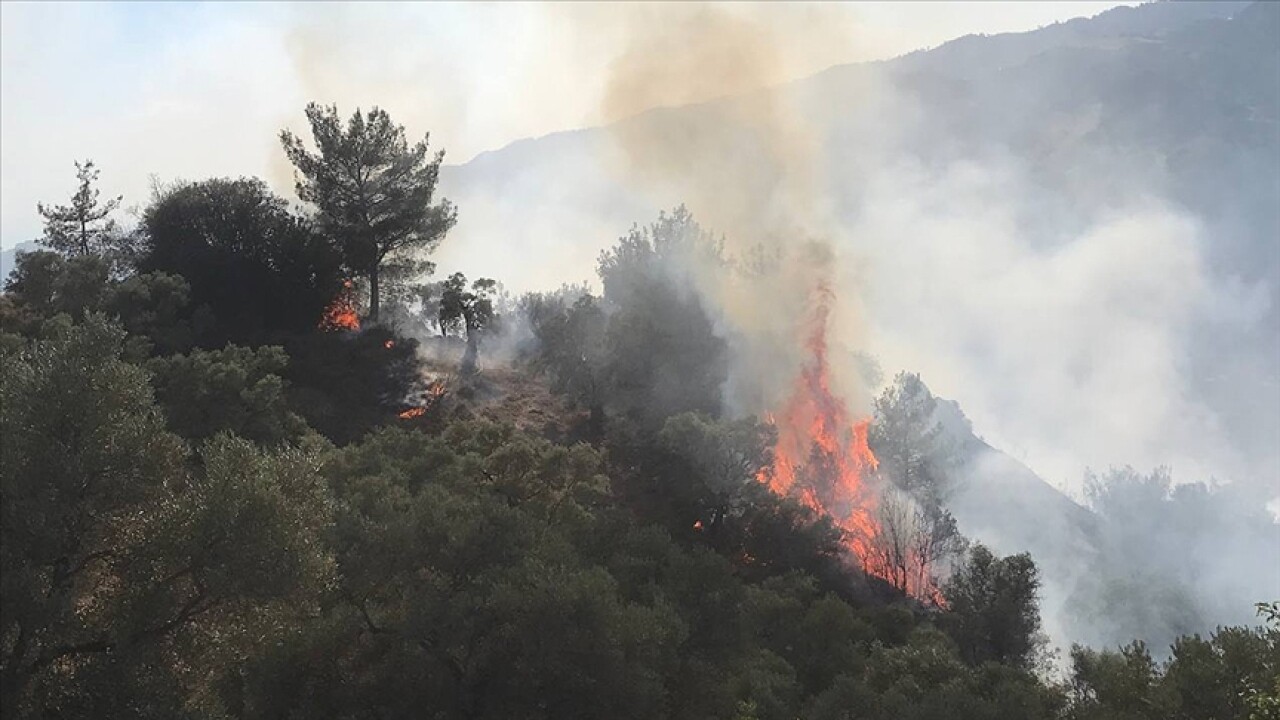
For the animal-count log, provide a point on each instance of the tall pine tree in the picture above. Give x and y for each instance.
(372, 188)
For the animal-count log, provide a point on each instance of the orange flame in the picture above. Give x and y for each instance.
(341, 313)
(435, 391)
(822, 459)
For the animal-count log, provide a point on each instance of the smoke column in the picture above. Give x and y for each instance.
(748, 168)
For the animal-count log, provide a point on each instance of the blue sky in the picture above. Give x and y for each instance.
(190, 90)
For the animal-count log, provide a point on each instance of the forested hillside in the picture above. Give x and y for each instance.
(1109, 184)
(228, 490)
(663, 418)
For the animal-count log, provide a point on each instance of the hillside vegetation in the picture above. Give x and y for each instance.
(216, 505)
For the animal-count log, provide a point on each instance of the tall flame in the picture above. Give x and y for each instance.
(341, 313)
(823, 460)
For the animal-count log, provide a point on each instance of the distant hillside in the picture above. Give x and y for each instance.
(9, 256)
(1143, 560)
(1003, 504)
(1129, 76)
(1174, 102)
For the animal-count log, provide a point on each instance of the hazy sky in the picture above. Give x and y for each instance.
(199, 90)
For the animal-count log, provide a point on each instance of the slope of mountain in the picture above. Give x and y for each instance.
(1175, 105)
(1177, 84)
(1170, 104)
(1107, 30)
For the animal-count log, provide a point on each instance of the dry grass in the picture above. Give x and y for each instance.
(502, 395)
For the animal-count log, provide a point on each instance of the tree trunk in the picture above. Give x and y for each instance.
(469, 359)
(373, 294)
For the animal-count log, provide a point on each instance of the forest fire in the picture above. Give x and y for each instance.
(823, 460)
(341, 313)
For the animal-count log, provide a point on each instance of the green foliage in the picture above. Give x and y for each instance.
(238, 390)
(477, 572)
(817, 633)
(926, 679)
(994, 614)
(568, 346)
(1117, 685)
(83, 445)
(154, 309)
(344, 386)
(373, 190)
(1264, 704)
(697, 478)
(1269, 612)
(1231, 674)
(130, 577)
(458, 573)
(408, 302)
(47, 284)
(647, 349)
(467, 311)
(260, 271)
(151, 307)
(721, 458)
(908, 439)
(663, 354)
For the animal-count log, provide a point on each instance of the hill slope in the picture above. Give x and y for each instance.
(1072, 231)
(1123, 167)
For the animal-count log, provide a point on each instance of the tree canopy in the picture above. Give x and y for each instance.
(257, 269)
(467, 310)
(214, 505)
(372, 190)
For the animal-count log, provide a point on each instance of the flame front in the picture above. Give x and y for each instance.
(435, 392)
(341, 313)
(823, 460)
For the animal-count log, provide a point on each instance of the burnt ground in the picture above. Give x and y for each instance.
(499, 394)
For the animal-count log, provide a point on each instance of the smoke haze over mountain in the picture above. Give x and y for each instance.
(1065, 298)
(1030, 222)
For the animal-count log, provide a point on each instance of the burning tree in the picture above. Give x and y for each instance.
(823, 458)
(918, 535)
(342, 313)
(914, 538)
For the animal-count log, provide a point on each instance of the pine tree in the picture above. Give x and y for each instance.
(373, 190)
(83, 227)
